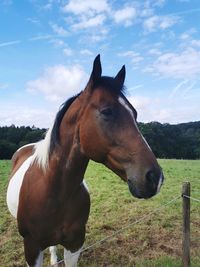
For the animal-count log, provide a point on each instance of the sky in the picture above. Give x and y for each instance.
(47, 48)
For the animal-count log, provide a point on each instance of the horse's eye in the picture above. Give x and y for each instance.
(107, 112)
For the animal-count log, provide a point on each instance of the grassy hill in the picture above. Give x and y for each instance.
(153, 242)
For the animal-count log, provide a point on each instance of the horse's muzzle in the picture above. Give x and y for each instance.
(149, 188)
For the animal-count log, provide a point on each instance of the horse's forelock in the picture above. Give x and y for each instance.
(110, 84)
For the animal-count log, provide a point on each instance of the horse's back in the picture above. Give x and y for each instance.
(21, 161)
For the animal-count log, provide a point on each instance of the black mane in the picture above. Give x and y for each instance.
(55, 130)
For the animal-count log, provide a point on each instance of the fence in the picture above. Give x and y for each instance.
(186, 225)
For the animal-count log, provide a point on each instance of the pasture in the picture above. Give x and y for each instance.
(154, 242)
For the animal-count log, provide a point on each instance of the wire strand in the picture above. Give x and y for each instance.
(195, 199)
(124, 228)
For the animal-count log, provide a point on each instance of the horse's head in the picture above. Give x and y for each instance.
(109, 134)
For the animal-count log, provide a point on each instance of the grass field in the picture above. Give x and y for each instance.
(154, 242)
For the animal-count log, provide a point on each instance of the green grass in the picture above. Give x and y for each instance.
(155, 242)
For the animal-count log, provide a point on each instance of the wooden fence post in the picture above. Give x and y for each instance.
(186, 224)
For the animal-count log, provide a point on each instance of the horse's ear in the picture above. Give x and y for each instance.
(96, 71)
(120, 77)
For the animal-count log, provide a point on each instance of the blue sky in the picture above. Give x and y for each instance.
(47, 49)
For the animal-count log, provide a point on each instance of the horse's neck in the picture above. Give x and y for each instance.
(76, 163)
(70, 162)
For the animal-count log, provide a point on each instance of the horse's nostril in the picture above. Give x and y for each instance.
(152, 178)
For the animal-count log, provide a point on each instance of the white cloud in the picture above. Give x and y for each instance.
(165, 110)
(59, 82)
(47, 6)
(159, 3)
(34, 21)
(68, 52)
(41, 37)
(135, 57)
(125, 15)
(57, 42)
(150, 24)
(59, 30)
(23, 116)
(146, 12)
(10, 43)
(96, 36)
(154, 3)
(140, 102)
(86, 23)
(89, 7)
(177, 65)
(184, 36)
(94, 13)
(87, 15)
(167, 21)
(155, 23)
(130, 90)
(154, 51)
(148, 108)
(86, 52)
(195, 43)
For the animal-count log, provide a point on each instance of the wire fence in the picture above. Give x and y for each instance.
(186, 238)
(192, 198)
(142, 219)
(109, 237)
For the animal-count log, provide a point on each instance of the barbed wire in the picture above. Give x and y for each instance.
(99, 242)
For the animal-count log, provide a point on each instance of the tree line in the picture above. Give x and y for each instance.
(180, 141)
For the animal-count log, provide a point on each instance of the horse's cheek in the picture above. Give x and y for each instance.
(92, 144)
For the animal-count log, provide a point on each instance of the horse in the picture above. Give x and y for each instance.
(47, 193)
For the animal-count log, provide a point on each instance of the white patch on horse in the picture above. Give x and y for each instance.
(146, 143)
(42, 149)
(53, 252)
(15, 185)
(85, 185)
(125, 105)
(70, 258)
(31, 144)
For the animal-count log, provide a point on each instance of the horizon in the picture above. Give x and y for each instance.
(47, 50)
(149, 122)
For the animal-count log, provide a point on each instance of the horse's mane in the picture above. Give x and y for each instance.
(56, 126)
(46, 146)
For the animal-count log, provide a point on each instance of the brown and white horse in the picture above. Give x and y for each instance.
(46, 192)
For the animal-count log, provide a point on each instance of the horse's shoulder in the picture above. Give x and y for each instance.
(20, 156)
